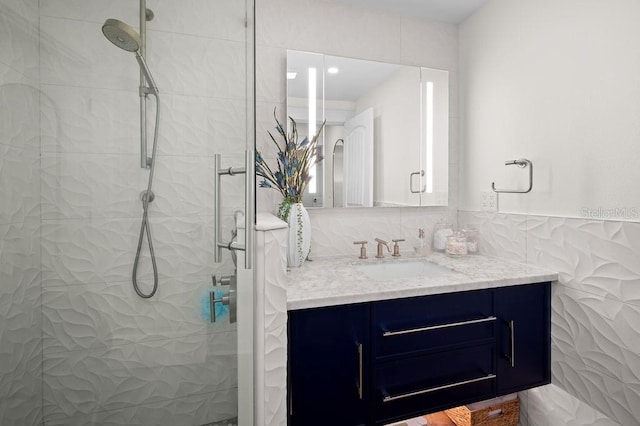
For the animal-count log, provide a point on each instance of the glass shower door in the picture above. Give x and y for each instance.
(78, 346)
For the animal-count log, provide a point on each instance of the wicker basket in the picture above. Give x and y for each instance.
(499, 414)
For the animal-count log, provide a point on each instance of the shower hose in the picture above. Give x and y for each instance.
(147, 197)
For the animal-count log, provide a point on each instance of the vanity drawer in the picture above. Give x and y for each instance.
(413, 325)
(415, 386)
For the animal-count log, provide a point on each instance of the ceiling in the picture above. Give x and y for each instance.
(452, 11)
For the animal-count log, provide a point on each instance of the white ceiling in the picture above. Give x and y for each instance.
(452, 11)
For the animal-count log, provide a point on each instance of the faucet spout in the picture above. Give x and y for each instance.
(379, 253)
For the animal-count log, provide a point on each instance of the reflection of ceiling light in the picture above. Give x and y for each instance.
(332, 70)
(291, 75)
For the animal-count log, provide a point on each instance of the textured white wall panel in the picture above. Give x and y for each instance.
(595, 354)
(76, 53)
(89, 120)
(91, 10)
(99, 315)
(128, 375)
(91, 186)
(378, 34)
(19, 119)
(20, 327)
(20, 278)
(599, 257)
(196, 410)
(19, 184)
(222, 19)
(271, 336)
(500, 234)
(566, 410)
(197, 66)
(19, 37)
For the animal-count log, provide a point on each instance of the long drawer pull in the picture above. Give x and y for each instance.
(360, 372)
(437, 388)
(436, 327)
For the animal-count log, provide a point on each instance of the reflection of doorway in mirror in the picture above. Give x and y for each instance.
(358, 161)
(337, 173)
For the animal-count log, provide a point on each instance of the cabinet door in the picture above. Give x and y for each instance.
(328, 369)
(524, 317)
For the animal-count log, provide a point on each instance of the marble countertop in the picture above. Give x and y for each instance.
(337, 280)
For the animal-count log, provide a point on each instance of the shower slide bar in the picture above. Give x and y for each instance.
(522, 163)
(249, 172)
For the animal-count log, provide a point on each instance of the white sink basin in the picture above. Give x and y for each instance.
(400, 270)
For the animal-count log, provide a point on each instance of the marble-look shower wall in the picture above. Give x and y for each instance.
(20, 299)
(111, 357)
(596, 309)
(344, 30)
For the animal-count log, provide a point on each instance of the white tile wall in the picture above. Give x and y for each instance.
(88, 381)
(20, 291)
(595, 355)
(199, 409)
(19, 36)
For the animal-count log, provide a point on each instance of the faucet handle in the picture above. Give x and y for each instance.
(396, 247)
(363, 249)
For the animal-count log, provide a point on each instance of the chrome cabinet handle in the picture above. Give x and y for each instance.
(389, 398)
(512, 343)
(360, 376)
(423, 189)
(436, 327)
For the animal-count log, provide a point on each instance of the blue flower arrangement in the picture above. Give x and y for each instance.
(294, 160)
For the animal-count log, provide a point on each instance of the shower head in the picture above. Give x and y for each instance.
(125, 37)
(121, 34)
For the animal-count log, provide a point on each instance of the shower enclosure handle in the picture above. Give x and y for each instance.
(249, 172)
(249, 212)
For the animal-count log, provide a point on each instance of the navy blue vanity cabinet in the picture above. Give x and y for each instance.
(524, 347)
(328, 369)
(379, 362)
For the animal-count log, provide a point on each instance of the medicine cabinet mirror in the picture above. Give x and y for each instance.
(386, 137)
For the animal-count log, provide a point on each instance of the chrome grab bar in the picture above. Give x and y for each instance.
(389, 398)
(436, 327)
(249, 214)
(523, 162)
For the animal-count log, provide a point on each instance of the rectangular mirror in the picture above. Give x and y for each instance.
(386, 137)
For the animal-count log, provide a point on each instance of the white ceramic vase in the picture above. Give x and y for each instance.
(299, 235)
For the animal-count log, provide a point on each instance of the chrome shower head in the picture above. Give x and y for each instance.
(125, 37)
(121, 34)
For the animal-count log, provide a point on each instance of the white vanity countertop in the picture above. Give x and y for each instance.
(336, 280)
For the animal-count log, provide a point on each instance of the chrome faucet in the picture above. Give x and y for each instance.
(381, 243)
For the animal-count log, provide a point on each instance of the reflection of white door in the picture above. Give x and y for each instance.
(358, 160)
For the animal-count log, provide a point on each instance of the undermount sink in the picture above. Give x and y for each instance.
(397, 270)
